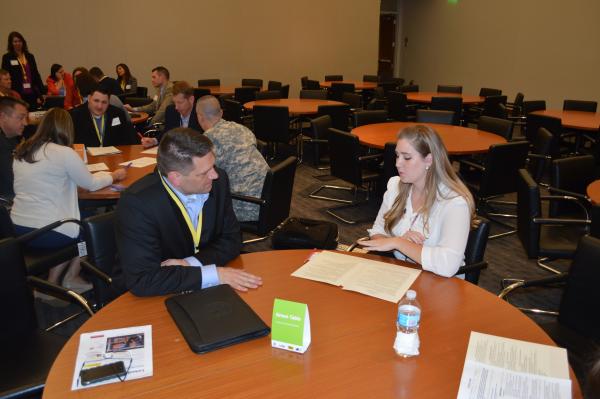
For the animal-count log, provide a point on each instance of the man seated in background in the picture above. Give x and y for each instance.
(181, 113)
(162, 99)
(99, 124)
(174, 226)
(236, 153)
(85, 83)
(6, 84)
(13, 119)
(107, 83)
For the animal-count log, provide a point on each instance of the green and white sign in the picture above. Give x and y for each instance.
(290, 326)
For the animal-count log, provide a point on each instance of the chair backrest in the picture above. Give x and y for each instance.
(312, 85)
(495, 106)
(277, 193)
(274, 85)
(54, 102)
(314, 94)
(449, 89)
(572, 174)
(268, 95)
(397, 106)
(475, 250)
(581, 298)
(389, 164)
(339, 114)
(370, 78)
(209, 82)
(303, 80)
(244, 95)
(501, 127)
(432, 116)
(338, 89)
(486, 91)
(285, 91)
(334, 78)
(252, 82)
(141, 91)
(271, 123)
(201, 93)
(502, 163)
(232, 111)
(385, 88)
(552, 124)
(541, 147)
(320, 127)
(528, 207)
(102, 252)
(453, 104)
(595, 216)
(354, 100)
(6, 224)
(579, 105)
(16, 299)
(533, 105)
(409, 88)
(368, 117)
(518, 104)
(344, 151)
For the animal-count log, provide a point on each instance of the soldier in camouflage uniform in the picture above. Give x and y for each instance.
(236, 153)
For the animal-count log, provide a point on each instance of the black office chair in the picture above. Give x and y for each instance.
(570, 176)
(285, 91)
(272, 125)
(579, 105)
(303, 80)
(274, 85)
(354, 100)
(370, 78)
(27, 351)
(338, 89)
(409, 88)
(486, 91)
(361, 118)
(334, 78)
(274, 201)
(389, 169)
(551, 124)
(501, 127)
(533, 105)
(313, 94)
(319, 137)
(453, 104)
(209, 82)
(268, 95)
(431, 116)
(54, 102)
(232, 111)
(347, 163)
(252, 82)
(398, 108)
(449, 89)
(339, 115)
(201, 93)
(312, 85)
(539, 157)
(141, 91)
(244, 95)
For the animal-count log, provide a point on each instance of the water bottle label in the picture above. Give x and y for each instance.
(408, 316)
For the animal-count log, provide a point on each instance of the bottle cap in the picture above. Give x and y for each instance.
(411, 294)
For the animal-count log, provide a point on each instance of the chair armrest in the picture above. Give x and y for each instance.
(472, 164)
(539, 156)
(562, 221)
(94, 270)
(472, 267)
(370, 157)
(31, 235)
(247, 198)
(554, 279)
(151, 133)
(59, 292)
(575, 200)
(582, 197)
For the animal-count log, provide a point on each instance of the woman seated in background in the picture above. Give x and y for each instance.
(47, 172)
(427, 211)
(75, 97)
(127, 82)
(60, 83)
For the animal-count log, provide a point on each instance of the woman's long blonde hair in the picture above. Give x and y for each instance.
(425, 140)
(56, 127)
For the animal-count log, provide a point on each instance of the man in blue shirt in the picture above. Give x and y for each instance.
(176, 227)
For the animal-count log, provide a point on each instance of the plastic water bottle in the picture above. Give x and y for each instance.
(407, 326)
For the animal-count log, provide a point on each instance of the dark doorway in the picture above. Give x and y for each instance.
(387, 44)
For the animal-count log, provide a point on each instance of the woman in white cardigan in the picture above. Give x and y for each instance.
(47, 172)
(427, 211)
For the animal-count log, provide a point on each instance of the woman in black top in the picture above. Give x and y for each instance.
(21, 65)
(127, 82)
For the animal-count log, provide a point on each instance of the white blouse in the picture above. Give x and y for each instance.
(46, 190)
(447, 234)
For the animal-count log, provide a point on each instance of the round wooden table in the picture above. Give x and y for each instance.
(593, 191)
(579, 120)
(296, 106)
(424, 97)
(138, 117)
(129, 152)
(218, 90)
(357, 84)
(458, 140)
(350, 356)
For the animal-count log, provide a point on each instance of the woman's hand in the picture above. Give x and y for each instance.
(414, 236)
(380, 243)
(119, 174)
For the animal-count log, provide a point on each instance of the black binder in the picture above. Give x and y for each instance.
(214, 318)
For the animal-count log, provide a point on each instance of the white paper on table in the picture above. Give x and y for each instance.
(497, 367)
(97, 151)
(140, 162)
(102, 173)
(97, 167)
(95, 350)
(151, 151)
(377, 279)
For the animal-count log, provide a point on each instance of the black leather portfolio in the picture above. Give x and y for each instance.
(214, 318)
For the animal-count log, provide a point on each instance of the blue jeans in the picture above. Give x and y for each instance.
(49, 240)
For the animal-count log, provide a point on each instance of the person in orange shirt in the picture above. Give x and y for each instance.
(75, 98)
(5, 85)
(60, 83)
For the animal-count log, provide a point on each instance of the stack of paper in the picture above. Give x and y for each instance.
(497, 367)
(377, 279)
(140, 162)
(97, 151)
(151, 151)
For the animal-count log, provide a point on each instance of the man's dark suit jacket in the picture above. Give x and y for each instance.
(111, 85)
(85, 133)
(7, 147)
(150, 229)
(173, 119)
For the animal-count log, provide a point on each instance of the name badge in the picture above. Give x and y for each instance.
(116, 121)
(128, 86)
(14, 62)
(27, 85)
(155, 98)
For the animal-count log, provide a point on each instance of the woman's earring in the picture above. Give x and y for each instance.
(426, 167)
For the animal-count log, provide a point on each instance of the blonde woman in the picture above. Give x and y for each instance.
(427, 211)
(47, 173)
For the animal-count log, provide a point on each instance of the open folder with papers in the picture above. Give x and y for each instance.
(377, 279)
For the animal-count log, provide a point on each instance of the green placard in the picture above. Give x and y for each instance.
(290, 326)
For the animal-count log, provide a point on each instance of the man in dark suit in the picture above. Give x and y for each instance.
(99, 124)
(175, 228)
(13, 119)
(110, 84)
(182, 113)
